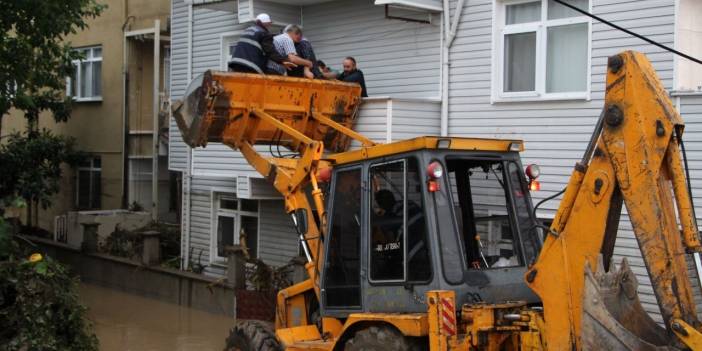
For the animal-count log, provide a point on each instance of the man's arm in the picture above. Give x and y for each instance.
(299, 60)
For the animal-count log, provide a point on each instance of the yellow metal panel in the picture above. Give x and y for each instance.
(471, 144)
(410, 324)
(289, 336)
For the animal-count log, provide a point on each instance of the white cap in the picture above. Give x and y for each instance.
(264, 18)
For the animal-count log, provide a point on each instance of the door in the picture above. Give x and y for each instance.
(341, 283)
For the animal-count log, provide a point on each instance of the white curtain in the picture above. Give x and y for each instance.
(520, 62)
(566, 65)
(523, 13)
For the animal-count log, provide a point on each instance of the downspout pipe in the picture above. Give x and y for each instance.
(449, 34)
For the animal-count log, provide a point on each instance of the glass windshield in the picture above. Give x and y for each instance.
(481, 196)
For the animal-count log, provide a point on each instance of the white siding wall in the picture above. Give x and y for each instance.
(691, 109)
(280, 13)
(399, 59)
(177, 150)
(245, 10)
(278, 241)
(201, 219)
(555, 133)
(411, 119)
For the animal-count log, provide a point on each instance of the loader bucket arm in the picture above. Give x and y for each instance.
(634, 159)
(305, 116)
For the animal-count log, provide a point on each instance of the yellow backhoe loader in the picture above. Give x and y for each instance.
(432, 243)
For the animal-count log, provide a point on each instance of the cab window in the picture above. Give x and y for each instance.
(481, 195)
(398, 237)
(342, 285)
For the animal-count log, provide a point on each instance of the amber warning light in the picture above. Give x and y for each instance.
(434, 171)
(532, 172)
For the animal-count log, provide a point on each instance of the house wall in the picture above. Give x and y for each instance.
(97, 125)
(401, 60)
(398, 58)
(556, 132)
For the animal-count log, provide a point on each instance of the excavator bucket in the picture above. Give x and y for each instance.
(215, 99)
(613, 318)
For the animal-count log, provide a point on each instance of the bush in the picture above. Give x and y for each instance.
(39, 308)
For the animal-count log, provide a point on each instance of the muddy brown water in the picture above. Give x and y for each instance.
(126, 322)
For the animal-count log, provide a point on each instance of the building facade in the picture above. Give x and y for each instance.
(524, 69)
(115, 105)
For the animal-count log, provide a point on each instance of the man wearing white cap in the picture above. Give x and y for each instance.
(255, 48)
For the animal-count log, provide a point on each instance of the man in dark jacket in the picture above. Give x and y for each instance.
(350, 74)
(255, 48)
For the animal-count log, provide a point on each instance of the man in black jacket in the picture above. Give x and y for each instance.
(255, 48)
(350, 74)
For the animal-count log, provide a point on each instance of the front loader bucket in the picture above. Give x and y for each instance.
(613, 318)
(298, 103)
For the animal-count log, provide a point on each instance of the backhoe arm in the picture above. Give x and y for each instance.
(635, 159)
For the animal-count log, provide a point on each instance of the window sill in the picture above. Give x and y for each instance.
(90, 99)
(219, 262)
(543, 98)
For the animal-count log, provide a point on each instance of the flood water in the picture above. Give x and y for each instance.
(126, 322)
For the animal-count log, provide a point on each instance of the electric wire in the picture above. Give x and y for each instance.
(650, 41)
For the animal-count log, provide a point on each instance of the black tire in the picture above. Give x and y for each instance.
(381, 338)
(252, 336)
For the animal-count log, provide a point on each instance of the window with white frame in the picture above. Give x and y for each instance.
(88, 187)
(235, 220)
(543, 50)
(228, 44)
(86, 82)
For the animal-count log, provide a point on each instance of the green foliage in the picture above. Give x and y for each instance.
(31, 165)
(127, 243)
(34, 58)
(122, 243)
(39, 309)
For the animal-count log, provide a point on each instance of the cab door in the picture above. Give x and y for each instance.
(341, 282)
(399, 268)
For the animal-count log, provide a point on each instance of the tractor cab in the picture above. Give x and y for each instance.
(428, 214)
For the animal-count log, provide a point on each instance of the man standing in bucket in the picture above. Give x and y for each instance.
(255, 47)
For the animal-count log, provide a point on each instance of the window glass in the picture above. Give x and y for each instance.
(89, 187)
(545, 50)
(556, 10)
(418, 262)
(523, 13)
(228, 204)
(387, 223)
(342, 272)
(86, 82)
(520, 62)
(249, 205)
(85, 87)
(225, 233)
(96, 84)
(237, 224)
(566, 68)
(481, 202)
(530, 234)
(249, 230)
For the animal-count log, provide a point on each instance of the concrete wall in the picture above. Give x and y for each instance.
(168, 285)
